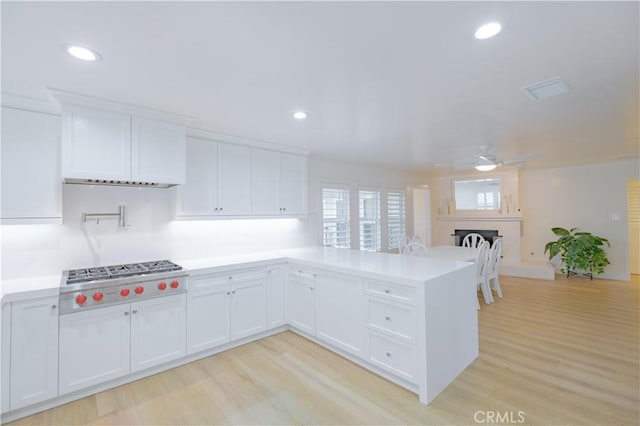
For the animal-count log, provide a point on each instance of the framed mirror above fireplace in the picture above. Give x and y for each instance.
(477, 194)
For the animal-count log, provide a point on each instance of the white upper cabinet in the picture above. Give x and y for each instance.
(157, 151)
(293, 183)
(120, 144)
(218, 180)
(265, 182)
(234, 180)
(31, 182)
(199, 195)
(279, 183)
(95, 144)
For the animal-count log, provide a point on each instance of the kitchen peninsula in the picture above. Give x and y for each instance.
(409, 319)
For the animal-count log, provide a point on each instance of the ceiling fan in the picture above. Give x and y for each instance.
(488, 162)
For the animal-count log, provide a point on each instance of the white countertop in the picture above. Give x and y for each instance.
(375, 265)
(394, 267)
(29, 288)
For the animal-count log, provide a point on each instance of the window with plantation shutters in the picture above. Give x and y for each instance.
(396, 218)
(369, 202)
(336, 226)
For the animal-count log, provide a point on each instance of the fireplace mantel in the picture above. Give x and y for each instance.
(500, 218)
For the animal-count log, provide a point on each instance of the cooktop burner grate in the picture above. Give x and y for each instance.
(120, 271)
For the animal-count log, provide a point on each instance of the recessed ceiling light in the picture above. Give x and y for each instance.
(488, 30)
(82, 53)
(300, 115)
(485, 167)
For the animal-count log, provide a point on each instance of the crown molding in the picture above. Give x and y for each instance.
(11, 100)
(64, 98)
(255, 143)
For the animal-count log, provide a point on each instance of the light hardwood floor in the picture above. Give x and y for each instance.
(560, 352)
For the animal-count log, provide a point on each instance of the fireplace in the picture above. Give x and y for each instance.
(488, 235)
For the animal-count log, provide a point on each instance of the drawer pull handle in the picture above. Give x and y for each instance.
(233, 292)
(388, 318)
(126, 313)
(388, 354)
(53, 306)
(134, 311)
(230, 277)
(387, 291)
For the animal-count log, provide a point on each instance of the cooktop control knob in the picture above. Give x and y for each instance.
(162, 286)
(139, 289)
(175, 284)
(97, 296)
(124, 292)
(81, 299)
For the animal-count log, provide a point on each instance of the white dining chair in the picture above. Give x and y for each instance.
(493, 269)
(403, 243)
(415, 249)
(482, 260)
(472, 240)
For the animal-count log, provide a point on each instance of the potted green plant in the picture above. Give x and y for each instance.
(578, 251)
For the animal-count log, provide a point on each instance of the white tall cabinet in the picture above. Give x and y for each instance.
(31, 179)
(34, 351)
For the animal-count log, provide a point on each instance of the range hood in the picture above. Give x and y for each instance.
(108, 182)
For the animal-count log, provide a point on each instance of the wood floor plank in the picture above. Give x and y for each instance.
(560, 352)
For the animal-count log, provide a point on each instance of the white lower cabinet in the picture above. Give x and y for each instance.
(5, 374)
(248, 308)
(340, 310)
(301, 300)
(94, 347)
(106, 343)
(394, 356)
(34, 351)
(225, 306)
(275, 296)
(158, 331)
(208, 318)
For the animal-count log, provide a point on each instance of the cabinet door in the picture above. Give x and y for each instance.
(199, 195)
(301, 305)
(157, 151)
(275, 296)
(293, 183)
(340, 310)
(94, 347)
(158, 331)
(234, 180)
(34, 351)
(208, 318)
(265, 182)
(248, 308)
(31, 180)
(5, 375)
(96, 144)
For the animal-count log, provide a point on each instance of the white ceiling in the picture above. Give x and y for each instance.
(401, 84)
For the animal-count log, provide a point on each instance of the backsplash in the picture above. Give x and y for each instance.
(33, 250)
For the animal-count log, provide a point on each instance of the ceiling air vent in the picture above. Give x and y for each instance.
(547, 88)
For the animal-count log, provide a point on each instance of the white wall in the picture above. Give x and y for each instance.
(588, 197)
(34, 250)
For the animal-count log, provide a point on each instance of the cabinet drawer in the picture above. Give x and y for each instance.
(399, 320)
(302, 272)
(392, 291)
(397, 358)
(223, 278)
